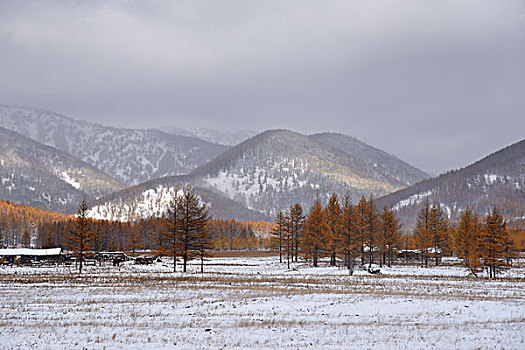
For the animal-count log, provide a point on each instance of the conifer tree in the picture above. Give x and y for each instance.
(389, 235)
(438, 226)
(194, 217)
(349, 231)
(371, 228)
(295, 221)
(422, 232)
(278, 233)
(314, 240)
(466, 240)
(204, 244)
(135, 239)
(493, 241)
(332, 214)
(361, 211)
(80, 238)
(172, 231)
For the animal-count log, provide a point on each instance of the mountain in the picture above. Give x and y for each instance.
(279, 167)
(259, 176)
(222, 137)
(384, 162)
(498, 179)
(42, 176)
(131, 156)
(150, 199)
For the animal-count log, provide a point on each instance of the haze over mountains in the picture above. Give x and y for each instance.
(130, 156)
(50, 160)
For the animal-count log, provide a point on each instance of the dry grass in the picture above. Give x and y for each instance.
(242, 253)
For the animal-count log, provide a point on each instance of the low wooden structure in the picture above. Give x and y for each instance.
(114, 258)
(21, 256)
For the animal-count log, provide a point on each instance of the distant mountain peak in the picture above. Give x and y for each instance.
(42, 176)
(130, 155)
(496, 180)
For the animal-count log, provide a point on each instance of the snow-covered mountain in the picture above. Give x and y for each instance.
(498, 179)
(263, 174)
(38, 175)
(131, 156)
(151, 199)
(222, 137)
(280, 167)
(384, 162)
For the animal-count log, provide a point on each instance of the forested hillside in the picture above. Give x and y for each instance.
(496, 180)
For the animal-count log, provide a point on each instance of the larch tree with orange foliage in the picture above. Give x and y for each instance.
(350, 243)
(80, 238)
(494, 242)
(361, 209)
(389, 237)
(466, 241)
(332, 214)
(314, 242)
(371, 229)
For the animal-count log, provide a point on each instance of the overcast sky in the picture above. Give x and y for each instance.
(438, 83)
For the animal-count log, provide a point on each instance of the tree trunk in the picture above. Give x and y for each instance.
(280, 248)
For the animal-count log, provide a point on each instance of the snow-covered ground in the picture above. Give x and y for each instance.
(257, 303)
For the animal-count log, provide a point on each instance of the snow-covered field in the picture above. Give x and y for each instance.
(257, 303)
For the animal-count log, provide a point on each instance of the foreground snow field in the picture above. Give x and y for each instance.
(257, 303)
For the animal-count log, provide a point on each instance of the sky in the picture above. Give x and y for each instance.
(439, 84)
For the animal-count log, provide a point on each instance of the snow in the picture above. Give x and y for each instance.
(150, 203)
(65, 176)
(258, 303)
(491, 178)
(32, 252)
(415, 199)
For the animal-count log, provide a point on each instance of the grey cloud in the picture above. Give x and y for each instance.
(438, 85)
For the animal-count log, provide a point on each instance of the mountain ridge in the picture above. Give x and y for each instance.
(39, 175)
(130, 155)
(497, 179)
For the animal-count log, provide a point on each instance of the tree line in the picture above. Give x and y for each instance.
(344, 233)
(340, 231)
